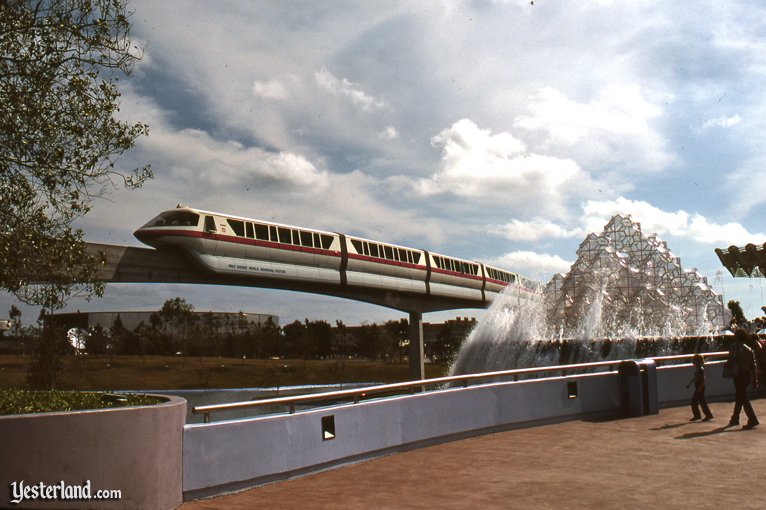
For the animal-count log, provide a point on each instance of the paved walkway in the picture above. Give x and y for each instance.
(658, 461)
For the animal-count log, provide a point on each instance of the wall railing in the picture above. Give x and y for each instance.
(355, 395)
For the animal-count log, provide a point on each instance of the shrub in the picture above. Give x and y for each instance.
(25, 402)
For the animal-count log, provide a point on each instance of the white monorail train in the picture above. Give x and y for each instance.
(234, 245)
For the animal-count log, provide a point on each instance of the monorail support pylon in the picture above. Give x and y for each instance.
(417, 366)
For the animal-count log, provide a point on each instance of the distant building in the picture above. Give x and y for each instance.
(226, 321)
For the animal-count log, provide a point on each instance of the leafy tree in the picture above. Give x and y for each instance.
(738, 319)
(271, 339)
(447, 344)
(341, 343)
(179, 314)
(60, 61)
(296, 339)
(395, 332)
(176, 312)
(47, 350)
(96, 341)
(157, 341)
(320, 336)
(369, 344)
(15, 315)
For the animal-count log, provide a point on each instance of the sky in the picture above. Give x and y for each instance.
(497, 131)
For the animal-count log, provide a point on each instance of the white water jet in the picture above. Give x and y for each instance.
(509, 322)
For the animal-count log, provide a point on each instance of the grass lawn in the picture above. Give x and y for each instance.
(176, 372)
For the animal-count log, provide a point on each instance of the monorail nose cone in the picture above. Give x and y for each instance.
(141, 235)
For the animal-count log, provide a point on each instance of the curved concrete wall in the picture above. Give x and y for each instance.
(136, 450)
(231, 455)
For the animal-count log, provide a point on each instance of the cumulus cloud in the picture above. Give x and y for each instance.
(722, 122)
(477, 163)
(390, 133)
(739, 184)
(347, 90)
(533, 265)
(614, 127)
(533, 230)
(272, 89)
(192, 152)
(682, 224)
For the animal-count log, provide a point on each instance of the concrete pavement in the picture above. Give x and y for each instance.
(657, 461)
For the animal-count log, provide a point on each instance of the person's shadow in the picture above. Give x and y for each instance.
(694, 435)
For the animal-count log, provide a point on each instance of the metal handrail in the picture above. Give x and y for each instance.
(682, 357)
(413, 386)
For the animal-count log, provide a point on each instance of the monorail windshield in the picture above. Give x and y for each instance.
(176, 219)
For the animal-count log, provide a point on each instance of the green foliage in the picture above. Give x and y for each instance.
(15, 315)
(60, 61)
(738, 319)
(46, 365)
(447, 344)
(25, 402)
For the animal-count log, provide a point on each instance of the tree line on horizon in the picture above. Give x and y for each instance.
(175, 329)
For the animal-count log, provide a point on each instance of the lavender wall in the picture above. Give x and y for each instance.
(134, 449)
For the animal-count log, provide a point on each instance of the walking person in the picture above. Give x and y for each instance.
(742, 360)
(698, 398)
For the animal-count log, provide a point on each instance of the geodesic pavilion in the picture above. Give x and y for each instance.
(626, 283)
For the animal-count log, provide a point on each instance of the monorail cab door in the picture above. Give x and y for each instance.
(209, 232)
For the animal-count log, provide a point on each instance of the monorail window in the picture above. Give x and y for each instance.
(326, 241)
(249, 230)
(262, 232)
(366, 248)
(273, 233)
(177, 219)
(285, 236)
(374, 250)
(307, 239)
(389, 252)
(237, 226)
(357, 246)
(317, 242)
(209, 224)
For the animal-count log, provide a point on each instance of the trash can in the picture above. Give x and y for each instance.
(638, 387)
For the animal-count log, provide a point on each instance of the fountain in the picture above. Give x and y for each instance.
(625, 296)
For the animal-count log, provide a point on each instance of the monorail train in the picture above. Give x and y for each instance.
(234, 245)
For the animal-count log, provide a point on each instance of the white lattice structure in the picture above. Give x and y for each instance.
(626, 283)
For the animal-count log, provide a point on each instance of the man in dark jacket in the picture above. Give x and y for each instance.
(741, 356)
